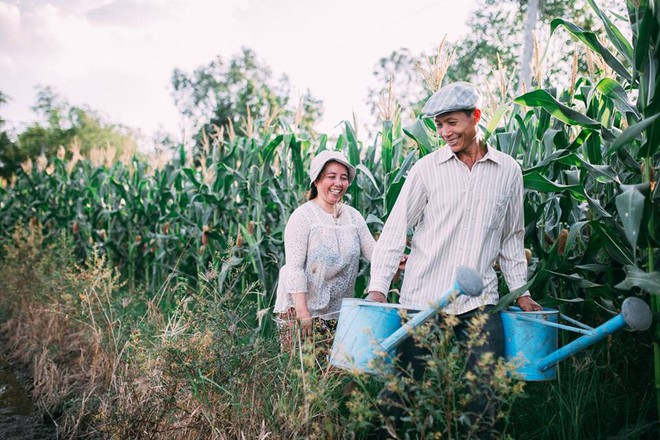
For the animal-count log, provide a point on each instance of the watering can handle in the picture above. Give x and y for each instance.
(468, 282)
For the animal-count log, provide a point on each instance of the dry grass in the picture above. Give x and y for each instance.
(200, 371)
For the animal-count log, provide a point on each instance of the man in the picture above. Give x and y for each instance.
(464, 204)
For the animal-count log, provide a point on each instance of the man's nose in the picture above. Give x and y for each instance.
(444, 131)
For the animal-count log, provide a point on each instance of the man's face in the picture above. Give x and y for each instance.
(458, 129)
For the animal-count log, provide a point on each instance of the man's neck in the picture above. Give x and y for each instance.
(472, 154)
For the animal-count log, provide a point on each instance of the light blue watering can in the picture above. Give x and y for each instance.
(368, 331)
(530, 338)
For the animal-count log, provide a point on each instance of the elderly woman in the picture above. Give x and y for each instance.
(323, 242)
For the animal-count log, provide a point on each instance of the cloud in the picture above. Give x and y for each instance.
(130, 13)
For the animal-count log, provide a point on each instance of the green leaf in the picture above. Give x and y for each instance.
(645, 34)
(268, 149)
(614, 246)
(591, 40)
(630, 206)
(417, 132)
(495, 120)
(386, 147)
(541, 98)
(190, 173)
(635, 277)
(370, 176)
(602, 173)
(615, 92)
(537, 182)
(616, 37)
(575, 278)
(373, 219)
(631, 133)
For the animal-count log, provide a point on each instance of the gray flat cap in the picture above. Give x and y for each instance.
(452, 97)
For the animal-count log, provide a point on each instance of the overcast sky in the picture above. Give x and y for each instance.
(117, 56)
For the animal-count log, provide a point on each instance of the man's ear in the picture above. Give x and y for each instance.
(477, 115)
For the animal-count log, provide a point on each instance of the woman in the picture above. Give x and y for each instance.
(323, 242)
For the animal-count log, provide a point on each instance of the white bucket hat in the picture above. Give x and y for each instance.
(326, 156)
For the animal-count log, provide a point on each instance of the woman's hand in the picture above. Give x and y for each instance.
(302, 313)
(402, 263)
(402, 267)
(304, 320)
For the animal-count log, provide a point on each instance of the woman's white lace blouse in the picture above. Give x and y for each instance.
(322, 258)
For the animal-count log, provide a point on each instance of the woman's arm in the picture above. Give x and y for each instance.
(296, 236)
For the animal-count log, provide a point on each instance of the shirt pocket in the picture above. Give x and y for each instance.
(493, 211)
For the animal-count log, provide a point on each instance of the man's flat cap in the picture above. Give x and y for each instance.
(452, 97)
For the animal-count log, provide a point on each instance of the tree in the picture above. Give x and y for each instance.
(63, 122)
(496, 36)
(490, 54)
(222, 93)
(528, 44)
(10, 157)
(396, 74)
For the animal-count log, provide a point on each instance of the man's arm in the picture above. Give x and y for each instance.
(388, 252)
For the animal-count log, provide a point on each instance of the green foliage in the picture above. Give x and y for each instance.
(10, 156)
(66, 124)
(222, 94)
(439, 404)
(495, 39)
(590, 159)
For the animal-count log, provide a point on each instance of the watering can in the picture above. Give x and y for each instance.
(369, 330)
(530, 338)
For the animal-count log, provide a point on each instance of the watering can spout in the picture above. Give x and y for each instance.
(468, 282)
(637, 314)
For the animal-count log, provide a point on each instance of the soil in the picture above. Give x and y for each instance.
(19, 419)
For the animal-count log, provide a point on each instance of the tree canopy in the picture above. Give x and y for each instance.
(10, 156)
(62, 123)
(229, 92)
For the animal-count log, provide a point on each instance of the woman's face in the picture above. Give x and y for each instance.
(332, 183)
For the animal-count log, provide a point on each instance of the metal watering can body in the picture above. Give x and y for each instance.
(369, 332)
(530, 338)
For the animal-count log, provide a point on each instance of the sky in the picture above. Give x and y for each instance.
(117, 56)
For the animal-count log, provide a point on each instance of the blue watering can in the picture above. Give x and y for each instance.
(369, 330)
(530, 338)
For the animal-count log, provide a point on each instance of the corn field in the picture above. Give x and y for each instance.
(590, 156)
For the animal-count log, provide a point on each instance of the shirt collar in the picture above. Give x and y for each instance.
(445, 153)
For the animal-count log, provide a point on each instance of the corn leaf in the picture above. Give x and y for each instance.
(635, 277)
(615, 92)
(631, 133)
(630, 206)
(591, 40)
(541, 98)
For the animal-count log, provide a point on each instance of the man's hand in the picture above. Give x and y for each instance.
(376, 296)
(527, 304)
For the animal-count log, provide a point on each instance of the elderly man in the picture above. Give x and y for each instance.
(464, 205)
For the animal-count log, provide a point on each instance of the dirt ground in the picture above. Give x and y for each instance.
(18, 418)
